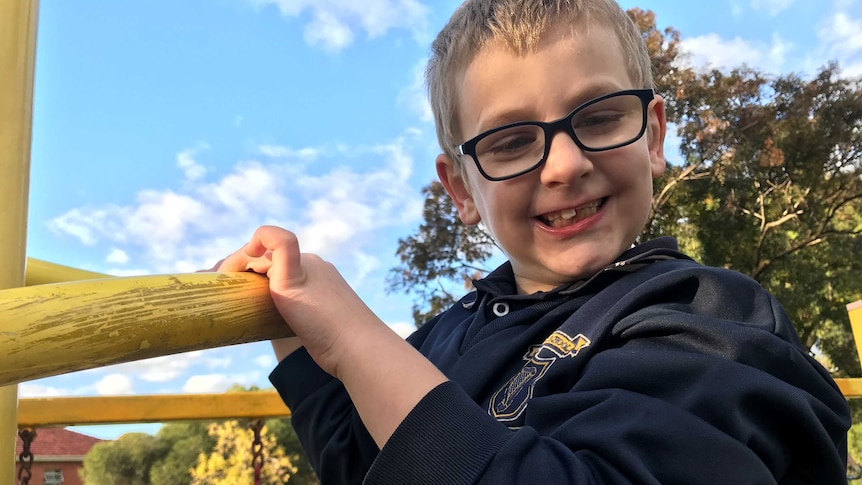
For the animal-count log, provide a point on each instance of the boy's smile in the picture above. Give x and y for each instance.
(579, 210)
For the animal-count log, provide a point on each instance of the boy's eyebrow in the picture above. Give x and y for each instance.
(505, 118)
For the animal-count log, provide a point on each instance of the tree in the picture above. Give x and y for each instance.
(230, 463)
(442, 251)
(286, 437)
(185, 442)
(170, 457)
(773, 188)
(125, 461)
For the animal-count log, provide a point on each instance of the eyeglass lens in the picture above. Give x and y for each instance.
(611, 122)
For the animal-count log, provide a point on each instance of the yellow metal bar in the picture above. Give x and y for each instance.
(855, 311)
(18, 21)
(851, 388)
(69, 411)
(42, 273)
(59, 328)
(76, 411)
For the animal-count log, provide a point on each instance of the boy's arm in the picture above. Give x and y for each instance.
(341, 334)
(336, 441)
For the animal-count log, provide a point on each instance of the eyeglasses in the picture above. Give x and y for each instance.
(604, 123)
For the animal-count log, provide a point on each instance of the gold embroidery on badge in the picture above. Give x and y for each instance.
(510, 401)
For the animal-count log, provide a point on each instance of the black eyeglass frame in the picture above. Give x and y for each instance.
(551, 128)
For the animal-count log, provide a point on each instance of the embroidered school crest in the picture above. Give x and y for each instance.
(509, 403)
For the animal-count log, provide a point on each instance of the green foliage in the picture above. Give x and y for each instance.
(772, 187)
(169, 457)
(125, 461)
(443, 251)
(186, 441)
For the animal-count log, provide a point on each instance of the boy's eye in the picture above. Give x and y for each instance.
(511, 142)
(603, 120)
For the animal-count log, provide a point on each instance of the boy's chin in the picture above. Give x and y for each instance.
(550, 277)
(584, 269)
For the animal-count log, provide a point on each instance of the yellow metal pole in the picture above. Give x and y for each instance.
(855, 311)
(70, 411)
(850, 387)
(58, 328)
(42, 273)
(18, 19)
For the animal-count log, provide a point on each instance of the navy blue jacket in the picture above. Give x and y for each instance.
(655, 370)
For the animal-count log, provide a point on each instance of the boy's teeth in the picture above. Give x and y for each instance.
(570, 216)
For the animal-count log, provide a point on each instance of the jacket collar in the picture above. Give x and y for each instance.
(501, 281)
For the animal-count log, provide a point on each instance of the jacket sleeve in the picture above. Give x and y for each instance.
(336, 442)
(702, 383)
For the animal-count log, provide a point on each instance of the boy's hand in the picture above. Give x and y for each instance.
(312, 297)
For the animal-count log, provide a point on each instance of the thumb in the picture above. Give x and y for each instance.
(283, 247)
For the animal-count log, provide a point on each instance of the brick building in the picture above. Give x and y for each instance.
(58, 456)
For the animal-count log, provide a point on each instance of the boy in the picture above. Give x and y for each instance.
(583, 359)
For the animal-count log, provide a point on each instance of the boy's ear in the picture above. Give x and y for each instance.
(656, 131)
(458, 190)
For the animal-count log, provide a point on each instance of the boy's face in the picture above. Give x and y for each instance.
(531, 215)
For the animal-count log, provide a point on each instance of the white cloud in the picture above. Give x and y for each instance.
(840, 39)
(209, 383)
(219, 363)
(402, 328)
(114, 384)
(841, 35)
(334, 24)
(713, 51)
(414, 97)
(71, 224)
(26, 389)
(276, 151)
(215, 383)
(337, 206)
(365, 265)
(772, 7)
(117, 256)
(265, 361)
(161, 369)
(328, 31)
(190, 167)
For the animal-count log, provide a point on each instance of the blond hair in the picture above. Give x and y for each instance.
(519, 24)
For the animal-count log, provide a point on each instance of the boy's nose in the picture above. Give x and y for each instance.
(565, 163)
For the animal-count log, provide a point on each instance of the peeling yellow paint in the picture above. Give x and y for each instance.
(18, 22)
(65, 327)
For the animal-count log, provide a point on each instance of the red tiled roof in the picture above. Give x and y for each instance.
(58, 442)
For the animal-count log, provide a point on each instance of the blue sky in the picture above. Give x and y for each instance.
(165, 132)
